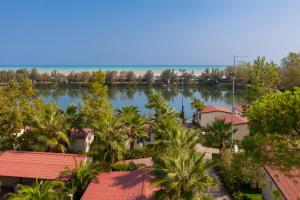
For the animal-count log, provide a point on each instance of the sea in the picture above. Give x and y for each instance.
(156, 69)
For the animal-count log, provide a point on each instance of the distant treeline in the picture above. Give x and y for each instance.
(288, 72)
(168, 76)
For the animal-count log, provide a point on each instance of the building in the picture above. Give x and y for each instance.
(209, 113)
(121, 185)
(22, 167)
(239, 110)
(240, 124)
(278, 185)
(81, 140)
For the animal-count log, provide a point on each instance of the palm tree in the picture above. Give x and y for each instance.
(198, 105)
(133, 123)
(170, 133)
(182, 174)
(40, 190)
(110, 142)
(127, 110)
(219, 133)
(49, 129)
(81, 177)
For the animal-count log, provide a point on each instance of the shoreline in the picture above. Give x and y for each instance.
(137, 69)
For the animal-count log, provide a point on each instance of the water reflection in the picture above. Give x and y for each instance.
(120, 95)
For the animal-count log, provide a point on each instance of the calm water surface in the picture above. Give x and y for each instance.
(137, 95)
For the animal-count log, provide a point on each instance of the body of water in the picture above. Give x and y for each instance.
(157, 69)
(137, 95)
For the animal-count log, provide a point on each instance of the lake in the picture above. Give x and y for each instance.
(121, 95)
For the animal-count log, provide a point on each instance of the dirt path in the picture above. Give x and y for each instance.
(220, 193)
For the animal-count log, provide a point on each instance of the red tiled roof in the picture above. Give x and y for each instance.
(239, 108)
(214, 108)
(133, 185)
(288, 184)
(235, 119)
(41, 165)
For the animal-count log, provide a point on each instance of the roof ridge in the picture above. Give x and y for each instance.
(48, 153)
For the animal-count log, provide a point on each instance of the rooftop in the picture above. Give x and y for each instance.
(132, 185)
(288, 184)
(239, 108)
(233, 118)
(214, 108)
(41, 165)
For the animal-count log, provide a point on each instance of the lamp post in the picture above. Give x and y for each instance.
(235, 61)
(182, 105)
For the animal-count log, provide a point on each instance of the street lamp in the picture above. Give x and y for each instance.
(235, 61)
(182, 106)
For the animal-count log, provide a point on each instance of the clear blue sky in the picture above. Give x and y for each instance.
(146, 31)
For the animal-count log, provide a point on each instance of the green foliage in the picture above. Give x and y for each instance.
(132, 122)
(237, 172)
(158, 104)
(109, 144)
(179, 170)
(15, 110)
(197, 104)
(48, 130)
(40, 190)
(96, 106)
(275, 129)
(168, 76)
(124, 167)
(219, 134)
(182, 174)
(141, 152)
(81, 177)
(149, 77)
(290, 71)
(263, 77)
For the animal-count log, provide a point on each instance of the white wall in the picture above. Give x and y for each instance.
(242, 131)
(208, 118)
(268, 187)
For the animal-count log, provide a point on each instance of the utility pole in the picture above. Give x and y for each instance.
(182, 105)
(235, 61)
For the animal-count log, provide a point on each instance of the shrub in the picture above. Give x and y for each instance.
(137, 153)
(125, 167)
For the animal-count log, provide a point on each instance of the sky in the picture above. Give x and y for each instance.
(146, 31)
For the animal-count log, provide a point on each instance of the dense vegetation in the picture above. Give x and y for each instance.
(180, 171)
(287, 75)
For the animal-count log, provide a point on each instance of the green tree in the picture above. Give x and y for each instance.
(219, 134)
(48, 130)
(149, 77)
(169, 133)
(40, 190)
(182, 174)
(198, 105)
(96, 106)
(290, 71)
(111, 77)
(80, 178)
(263, 77)
(133, 123)
(275, 129)
(109, 145)
(16, 111)
(130, 76)
(168, 76)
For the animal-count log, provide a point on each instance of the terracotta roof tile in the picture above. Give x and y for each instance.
(42, 165)
(288, 184)
(214, 108)
(235, 119)
(133, 185)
